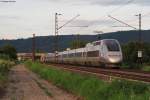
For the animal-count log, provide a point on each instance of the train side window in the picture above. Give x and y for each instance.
(97, 43)
(93, 53)
(71, 55)
(84, 54)
(79, 54)
(64, 55)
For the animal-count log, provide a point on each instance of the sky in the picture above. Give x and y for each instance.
(23, 18)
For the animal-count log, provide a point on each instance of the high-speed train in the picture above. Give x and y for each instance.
(98, 53)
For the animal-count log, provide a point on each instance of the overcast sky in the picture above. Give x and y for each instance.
(25, 17)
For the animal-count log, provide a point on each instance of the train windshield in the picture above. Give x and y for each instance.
(112, 45)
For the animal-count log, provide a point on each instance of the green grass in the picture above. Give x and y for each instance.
(91, 88)
(146, 68)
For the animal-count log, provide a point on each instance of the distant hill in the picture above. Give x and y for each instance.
(45, 43)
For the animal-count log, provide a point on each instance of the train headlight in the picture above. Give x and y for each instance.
(115, 59)
(112, 60)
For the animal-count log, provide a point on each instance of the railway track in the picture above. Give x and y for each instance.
(108, 74)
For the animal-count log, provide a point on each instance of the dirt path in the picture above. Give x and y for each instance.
(25, 85)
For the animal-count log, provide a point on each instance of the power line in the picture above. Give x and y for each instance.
(114, 10)
(134, 20)
(121, 6)
(146, 15)
(68, 21)
(122, 22)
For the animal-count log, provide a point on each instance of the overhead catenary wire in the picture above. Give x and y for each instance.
(122, 22)
(135, 20)
(113, 10)
(68, 21)
(121, 6)
(118, 8)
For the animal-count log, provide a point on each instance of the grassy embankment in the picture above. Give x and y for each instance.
(143, 67)
(90, 87)
(5, 65)
(146, 68)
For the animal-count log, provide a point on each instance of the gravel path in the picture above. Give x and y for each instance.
(25, 85)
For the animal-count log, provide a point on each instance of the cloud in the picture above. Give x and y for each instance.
(119, 2)
(105, 2)
(9, 17)
(28, 16)
(143, 2)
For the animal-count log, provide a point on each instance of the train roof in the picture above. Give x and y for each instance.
(103, 40)
(83, 49)
(80, 50)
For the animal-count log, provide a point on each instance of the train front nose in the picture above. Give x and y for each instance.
(114, 58)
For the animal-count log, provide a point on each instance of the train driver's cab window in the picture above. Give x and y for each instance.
(112, 45)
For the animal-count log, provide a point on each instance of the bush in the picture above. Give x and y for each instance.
(130, 51)
(9, 50)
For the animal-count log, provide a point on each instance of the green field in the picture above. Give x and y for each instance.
(91, 88)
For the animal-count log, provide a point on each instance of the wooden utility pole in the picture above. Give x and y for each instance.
(33, 48)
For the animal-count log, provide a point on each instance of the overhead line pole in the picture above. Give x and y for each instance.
(56, 36)
(140, 35)
(56, 33)
(140, 52)
(57, 28)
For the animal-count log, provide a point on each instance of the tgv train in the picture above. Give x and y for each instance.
(98, 53)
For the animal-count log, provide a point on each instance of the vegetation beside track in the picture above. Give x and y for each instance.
(146, 68)
(130, 59)
(90, 87)
(5, 65)
(8, 55)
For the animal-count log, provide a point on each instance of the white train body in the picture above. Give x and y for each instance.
(97, 53)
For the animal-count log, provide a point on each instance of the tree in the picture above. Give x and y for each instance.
(130, 51)
(10, 51)
(77, 44)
